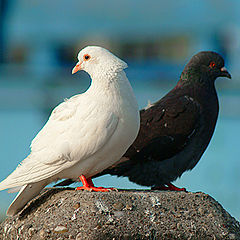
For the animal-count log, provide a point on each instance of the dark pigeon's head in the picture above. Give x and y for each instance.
(206, 65)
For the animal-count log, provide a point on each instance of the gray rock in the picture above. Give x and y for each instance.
(127, 214)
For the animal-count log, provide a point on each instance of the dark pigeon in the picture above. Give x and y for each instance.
(176, 130)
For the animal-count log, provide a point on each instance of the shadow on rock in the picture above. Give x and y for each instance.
(36, 203)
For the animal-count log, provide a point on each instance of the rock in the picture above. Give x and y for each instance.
(127, 214)
(60, 229)
(42, 234)
(118, 206)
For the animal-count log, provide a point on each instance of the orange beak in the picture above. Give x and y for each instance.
(77, 68)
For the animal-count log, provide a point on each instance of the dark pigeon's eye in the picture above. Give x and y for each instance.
(212, 64)
(86, 57)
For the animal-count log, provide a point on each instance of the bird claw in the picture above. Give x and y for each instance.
(170, 187)
(89, 186)
(113, 189)
(96, 189)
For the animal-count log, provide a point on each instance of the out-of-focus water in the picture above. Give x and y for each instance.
(216, 174)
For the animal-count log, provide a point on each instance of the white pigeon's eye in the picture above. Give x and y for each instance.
(86, 57)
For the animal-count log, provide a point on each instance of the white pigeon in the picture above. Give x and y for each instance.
(85, 134)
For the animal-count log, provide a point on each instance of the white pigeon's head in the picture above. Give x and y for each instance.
(93, 59)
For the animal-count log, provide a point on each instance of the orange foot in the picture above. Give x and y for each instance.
(89, 186)
(170, 187)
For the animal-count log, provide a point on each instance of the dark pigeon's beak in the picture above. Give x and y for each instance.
(225, 73)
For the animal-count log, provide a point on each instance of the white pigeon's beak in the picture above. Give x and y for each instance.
(77, 68)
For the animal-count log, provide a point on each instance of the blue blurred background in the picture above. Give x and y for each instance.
(39, 42)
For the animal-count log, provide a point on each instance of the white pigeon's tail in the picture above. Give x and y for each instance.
(27, 192)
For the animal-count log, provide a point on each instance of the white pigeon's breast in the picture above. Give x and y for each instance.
(119, 113)
(86, 134)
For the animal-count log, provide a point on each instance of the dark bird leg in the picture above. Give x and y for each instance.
(169, 187)
(89, 186)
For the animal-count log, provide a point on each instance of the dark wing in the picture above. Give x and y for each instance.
(166, 128)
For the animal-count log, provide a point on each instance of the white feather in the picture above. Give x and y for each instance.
(27, 192)
(85, 134)
(13, 190)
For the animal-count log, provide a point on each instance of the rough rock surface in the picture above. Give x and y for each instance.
(68, 214)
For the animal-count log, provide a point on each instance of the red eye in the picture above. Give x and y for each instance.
(212, 64)
(86, 57)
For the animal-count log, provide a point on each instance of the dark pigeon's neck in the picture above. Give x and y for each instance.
(193, 78)
(198, 87)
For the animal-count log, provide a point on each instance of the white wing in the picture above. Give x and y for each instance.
(70, 135)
